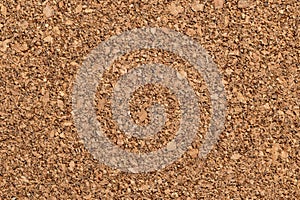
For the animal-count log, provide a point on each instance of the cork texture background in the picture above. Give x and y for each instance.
(255, 45)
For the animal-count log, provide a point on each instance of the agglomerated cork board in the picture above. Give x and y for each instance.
(255, 46)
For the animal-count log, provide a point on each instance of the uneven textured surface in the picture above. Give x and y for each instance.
(255, 45)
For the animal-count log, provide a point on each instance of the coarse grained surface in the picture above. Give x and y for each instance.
(255, 44)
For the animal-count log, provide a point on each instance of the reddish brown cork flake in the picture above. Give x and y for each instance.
(255, 45)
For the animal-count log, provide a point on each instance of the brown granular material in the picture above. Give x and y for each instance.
(255, 45)
(147, 96)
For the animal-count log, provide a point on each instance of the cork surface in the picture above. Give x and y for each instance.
(253, 43)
